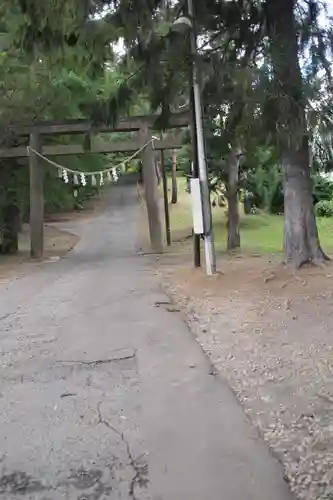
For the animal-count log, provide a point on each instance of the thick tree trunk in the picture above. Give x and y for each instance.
(301, 241)
(174, 187)
(233, 202)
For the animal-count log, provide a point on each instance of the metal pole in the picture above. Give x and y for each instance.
(202, 164)
(166, 202)
(195, 171)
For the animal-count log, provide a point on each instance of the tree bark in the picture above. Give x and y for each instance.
(11, 217)
(152, 195)
(301, 241)
(233, 203)
(158, 172)
(174, 186)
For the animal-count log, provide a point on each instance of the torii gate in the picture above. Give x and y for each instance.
(143, 125)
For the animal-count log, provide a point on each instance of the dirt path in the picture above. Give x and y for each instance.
(104, 392)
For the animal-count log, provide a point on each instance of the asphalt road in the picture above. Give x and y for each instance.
(104, 393)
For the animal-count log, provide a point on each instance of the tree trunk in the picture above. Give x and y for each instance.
(301, 241)
(233, 203)
(158, 172)
(11, 220)
(9, 215)
(174, 187)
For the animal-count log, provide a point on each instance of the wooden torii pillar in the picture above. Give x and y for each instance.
(36, 219)
(151, 191)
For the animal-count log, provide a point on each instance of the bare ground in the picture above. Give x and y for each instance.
(269, 332)
(57, 241)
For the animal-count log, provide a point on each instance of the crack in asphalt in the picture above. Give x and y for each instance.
(140, 471)
(98, 362)
(5, 316)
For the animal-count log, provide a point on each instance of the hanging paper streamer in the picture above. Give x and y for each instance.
(65, 176)
(114, 174)
(75, 193)
(110, 174)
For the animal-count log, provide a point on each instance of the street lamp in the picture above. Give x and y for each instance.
(181, 25)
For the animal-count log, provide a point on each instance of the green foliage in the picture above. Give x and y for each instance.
(183, 161)
(322, 189)
(276, 198)
(266, 188)
(44, 77)
(263, 180)
(14, 184)
(324, 208)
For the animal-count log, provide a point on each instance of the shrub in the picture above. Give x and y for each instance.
(324, 208)
(322, 189)
(275, 199)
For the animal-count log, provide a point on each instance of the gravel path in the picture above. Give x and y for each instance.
(270, 336)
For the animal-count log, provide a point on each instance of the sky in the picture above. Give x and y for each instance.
(329, 4)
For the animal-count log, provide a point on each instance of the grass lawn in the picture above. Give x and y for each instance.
(262, 233)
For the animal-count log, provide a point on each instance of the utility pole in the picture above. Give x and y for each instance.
(195, 170)
(210, 257)
(165, 198)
